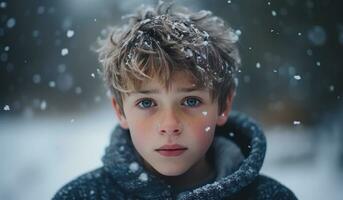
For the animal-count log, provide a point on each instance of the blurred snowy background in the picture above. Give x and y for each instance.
(55, 116)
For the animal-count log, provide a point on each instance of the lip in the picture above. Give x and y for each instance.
(171, 150)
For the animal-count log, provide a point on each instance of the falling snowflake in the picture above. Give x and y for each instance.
(78, 90)
(309, 52)
(11, 22)
(274, 13)
(40, 10)
(133, 167)
(93, 75)
(97, 99)
(317, 35)
(3, 5)
(6, 108)
(296, 122)
(108, 94)
(43, 105)
(318, 63)
(297, 77)
(70, 33)
(207, 129)
(204, 113)
(258, 65)
(331, 88)
(36, 79)
(52, 84)
(64, 52)
(238, 32)
(35, 33)
(143, 177)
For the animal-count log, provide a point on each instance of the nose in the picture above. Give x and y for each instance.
(170, 124)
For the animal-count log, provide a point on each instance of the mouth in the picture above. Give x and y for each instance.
(171, 150)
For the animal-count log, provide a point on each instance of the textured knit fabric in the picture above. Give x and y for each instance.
(237, 154)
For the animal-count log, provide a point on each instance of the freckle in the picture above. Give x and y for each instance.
(207, 129)
(204, 113)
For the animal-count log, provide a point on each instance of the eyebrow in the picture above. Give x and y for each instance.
(156, 91)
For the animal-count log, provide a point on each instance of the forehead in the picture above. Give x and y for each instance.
(178, 80)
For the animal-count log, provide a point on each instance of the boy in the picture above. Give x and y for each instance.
(172, 76)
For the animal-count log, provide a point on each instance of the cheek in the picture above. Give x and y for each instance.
(203, 130)
(137, 121)
(140, 130)
(139, 137)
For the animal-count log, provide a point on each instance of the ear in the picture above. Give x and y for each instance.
(120, 116)
(223, 116)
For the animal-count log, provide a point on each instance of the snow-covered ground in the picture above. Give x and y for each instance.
(39, 155)
(306, 163)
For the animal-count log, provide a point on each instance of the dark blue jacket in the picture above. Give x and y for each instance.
(237, 154)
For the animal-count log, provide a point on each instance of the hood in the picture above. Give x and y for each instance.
(122, 162)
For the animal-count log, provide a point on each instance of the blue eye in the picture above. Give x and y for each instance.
(146, 103)
(192, 102)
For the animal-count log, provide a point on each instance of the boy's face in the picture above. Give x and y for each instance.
(183, 115)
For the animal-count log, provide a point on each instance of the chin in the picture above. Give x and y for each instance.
(171, 171)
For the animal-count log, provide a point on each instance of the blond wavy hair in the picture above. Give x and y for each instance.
(157, 41)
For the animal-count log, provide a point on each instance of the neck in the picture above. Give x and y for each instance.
(199, 173)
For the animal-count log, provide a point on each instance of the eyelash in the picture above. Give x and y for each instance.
(198, 102)
(140, 102)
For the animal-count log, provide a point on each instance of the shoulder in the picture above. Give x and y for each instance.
(90, 185)
(271, 187)
(266, 188)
